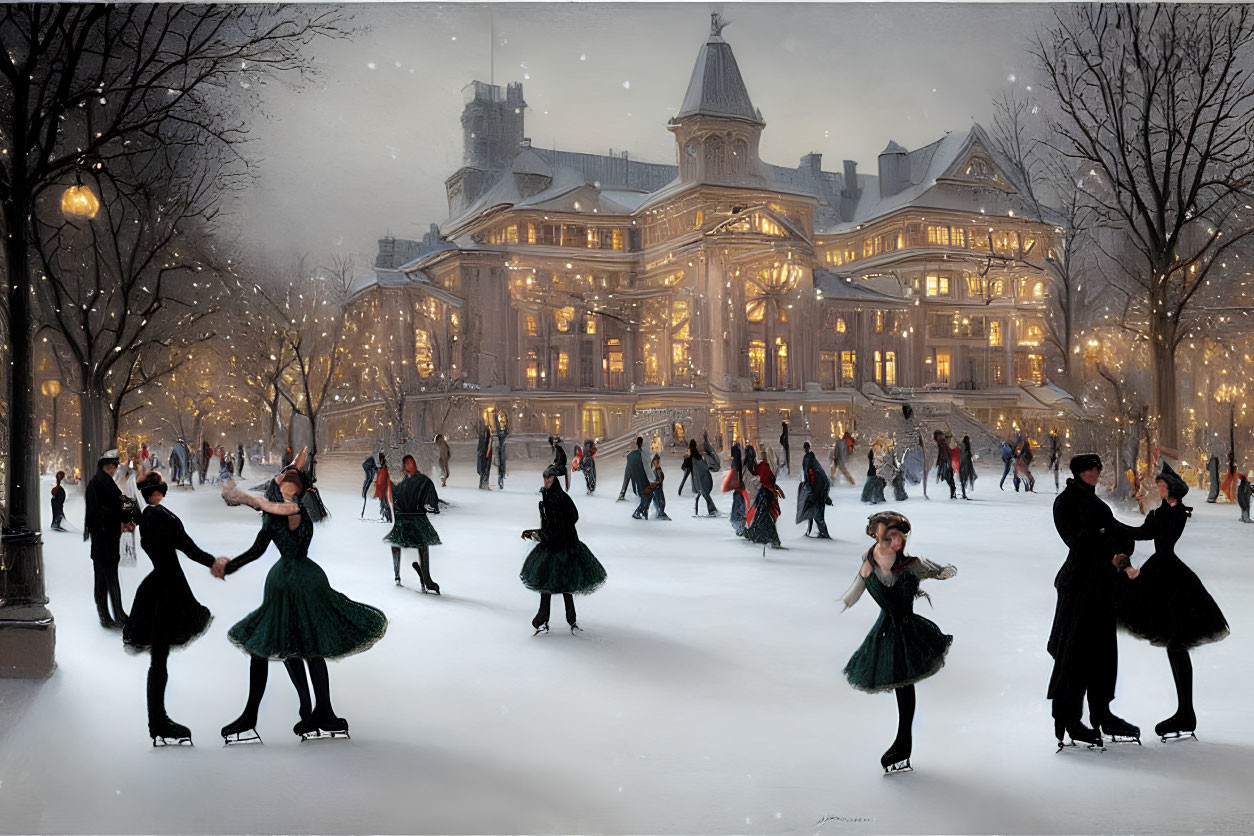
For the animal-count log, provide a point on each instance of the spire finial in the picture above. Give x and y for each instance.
(717, 24)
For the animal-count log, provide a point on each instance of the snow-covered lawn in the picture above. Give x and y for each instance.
(705, 694)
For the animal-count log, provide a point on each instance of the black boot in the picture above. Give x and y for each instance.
(1077, 731)
(161, 728)
(323, 721)
(424, 558)
(243, 729)
(541, 621)
(1184, 721)
(1117, 729)
(396, 564)
(897, 758)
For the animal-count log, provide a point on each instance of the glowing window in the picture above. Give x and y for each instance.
(848, 367)
(562, 318)
(840, 325)
(590, 324)
(1038, 289)
(937, 285)
(563, 363)
(890, 368)
(938, 235)
(994, 332)
(533, 327)
(757, 361)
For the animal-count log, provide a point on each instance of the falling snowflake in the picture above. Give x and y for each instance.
(583, 57)
(370, 65)
(1011, 78)
(626, 86)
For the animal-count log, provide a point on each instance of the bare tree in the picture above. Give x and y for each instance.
(1158, 102)
(1049, 182)
(122, 289)
(303, 311)
(87, 85)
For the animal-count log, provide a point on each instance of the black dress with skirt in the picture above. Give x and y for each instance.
(413, 499)
(1166, 604)
(165, 613)
(560, 562)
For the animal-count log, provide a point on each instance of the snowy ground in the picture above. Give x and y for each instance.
(705, 695)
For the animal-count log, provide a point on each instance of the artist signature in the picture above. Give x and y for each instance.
(826, 819)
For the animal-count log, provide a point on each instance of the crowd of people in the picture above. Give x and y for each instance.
(302, 621)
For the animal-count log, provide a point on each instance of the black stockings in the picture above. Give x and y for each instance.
(905, 716)
(1182, 673)
(157, 678)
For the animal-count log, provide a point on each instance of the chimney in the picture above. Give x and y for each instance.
(894, 169)
(850, 193)
(812, 164)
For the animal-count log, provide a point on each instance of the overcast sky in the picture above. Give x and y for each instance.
(364, 149)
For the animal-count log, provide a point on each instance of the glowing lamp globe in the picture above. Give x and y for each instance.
(50, 388)
(79, 202)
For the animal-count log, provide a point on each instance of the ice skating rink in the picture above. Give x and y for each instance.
(705, 694)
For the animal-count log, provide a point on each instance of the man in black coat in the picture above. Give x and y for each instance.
(812, 508)
(559, 460)
(104, 525)
(1082, 639)
(1212, 470)
(371, 469)
(634, 472)
(783, 442)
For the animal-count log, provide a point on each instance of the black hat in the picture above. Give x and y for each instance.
(152, 483)
(1085, 461)
(1176, 488)
(109, 457)
(552, 470)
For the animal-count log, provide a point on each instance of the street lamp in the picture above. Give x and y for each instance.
(51, 389)
(79, 201)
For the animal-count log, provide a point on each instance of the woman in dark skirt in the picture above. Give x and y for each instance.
(1165, 603)
(165, 614)
(873, 489)
(902, 647)
(966, 467)
(761, 517)
(302, 621)
(411, 501)
(733, 482)
(560, 563)
(588, 465)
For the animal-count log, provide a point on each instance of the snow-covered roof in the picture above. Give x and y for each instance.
(929, 169)
(850, 289)
(716, 87)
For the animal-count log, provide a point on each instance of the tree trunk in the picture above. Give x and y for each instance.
(1163, 371)
(21, 494)
(93, 426)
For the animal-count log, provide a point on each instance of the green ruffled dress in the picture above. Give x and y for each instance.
(300, 615)
(902, 647)
(560, 562)
(413, 497)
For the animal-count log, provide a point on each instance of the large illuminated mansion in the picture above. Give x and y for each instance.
(593, 295)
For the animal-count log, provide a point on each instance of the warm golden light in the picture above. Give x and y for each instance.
(80, 202)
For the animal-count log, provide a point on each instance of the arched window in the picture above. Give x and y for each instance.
(740, 157)
(715, 157)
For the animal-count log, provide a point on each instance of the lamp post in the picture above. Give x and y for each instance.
(51, 389)
(27, 628)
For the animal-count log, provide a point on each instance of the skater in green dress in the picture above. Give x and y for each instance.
(411, 501)
(302, 621)
(902, 647)
(560, 562)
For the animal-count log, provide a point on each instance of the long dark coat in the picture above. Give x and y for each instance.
(1082, 639)
(635, 472)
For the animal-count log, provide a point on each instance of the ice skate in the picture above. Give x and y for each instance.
(319, 726)
(166, 732)
(1119, 730)
(897, 758)
(542, 628)
(575, 628)
(1078, 732)
(662, 517)
(243, 729)
(1177, 726)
